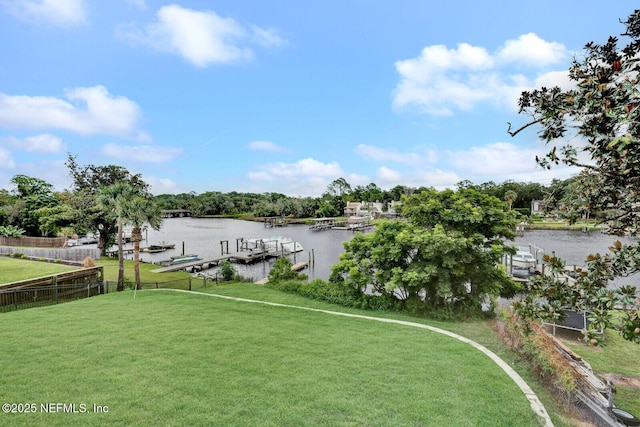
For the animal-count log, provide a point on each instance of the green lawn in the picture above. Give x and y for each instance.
(479, 331)
(618, 357)
(166, 358)
(563, 225)
(15, 269)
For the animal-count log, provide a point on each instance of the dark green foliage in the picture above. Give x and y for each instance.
(281, 271)
(227, 270)
(600, 119)
(443, 260)
(35, 208)
(89, 215)
(335, 293)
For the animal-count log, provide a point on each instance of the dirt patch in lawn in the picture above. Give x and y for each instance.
(623, 380)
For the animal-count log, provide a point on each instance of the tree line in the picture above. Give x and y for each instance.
(33, 208)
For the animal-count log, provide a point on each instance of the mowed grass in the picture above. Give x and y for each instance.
(167, 358)
(618, 357)
(13, 269)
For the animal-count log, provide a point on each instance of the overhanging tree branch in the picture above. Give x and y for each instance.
(517, 131)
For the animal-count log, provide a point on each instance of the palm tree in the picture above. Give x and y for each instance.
(510, 196)
(138, 211)
(112, 199)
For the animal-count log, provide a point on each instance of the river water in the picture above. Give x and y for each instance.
(203, 236)
(572, 246)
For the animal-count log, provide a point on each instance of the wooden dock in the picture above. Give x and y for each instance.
(146, 249)
(191, 264)
(275, 221)
(203, 264)
(350, 224)
(322, 224)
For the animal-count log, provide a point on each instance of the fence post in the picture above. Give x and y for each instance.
(156, 285)
(55, 286)
(15, 298)
(189, 282)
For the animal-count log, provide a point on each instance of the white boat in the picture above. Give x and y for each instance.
(273, 244)
(524, 260)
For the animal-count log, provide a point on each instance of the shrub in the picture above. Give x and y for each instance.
(227, 270)
(538, 348)
(336, 293)
(11, 231)
(281, 270)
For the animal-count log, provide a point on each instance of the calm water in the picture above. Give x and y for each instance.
(572, 246)
(202, 236)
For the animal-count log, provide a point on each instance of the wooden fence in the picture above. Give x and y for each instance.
(71, 285)
(42, 242)
(66, 254)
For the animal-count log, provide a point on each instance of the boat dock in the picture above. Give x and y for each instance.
(350, 224)
(201, 263)
(275, 221)
(322, 224)
(147, 249)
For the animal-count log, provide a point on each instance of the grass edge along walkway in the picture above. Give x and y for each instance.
(536, 404)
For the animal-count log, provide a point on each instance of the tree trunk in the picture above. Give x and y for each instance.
(136, 236)
(120, 259)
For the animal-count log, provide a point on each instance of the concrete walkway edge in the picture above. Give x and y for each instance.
(535, 403)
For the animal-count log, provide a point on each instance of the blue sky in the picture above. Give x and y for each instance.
(282, 95)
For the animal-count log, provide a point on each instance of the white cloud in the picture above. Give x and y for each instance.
(304, 177)
(267, 37)
(302, 168)
(503, 161)
(140, 4)
(141, 153)
(56, 12)
(499, 157)
(201, 37)
(441, 81)
(162, 185)
(555, 78)
(266, 146)
(6, 161)
(532, 50)
(387, 178)
(392, 155)
(43, 143)
(88, 111)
